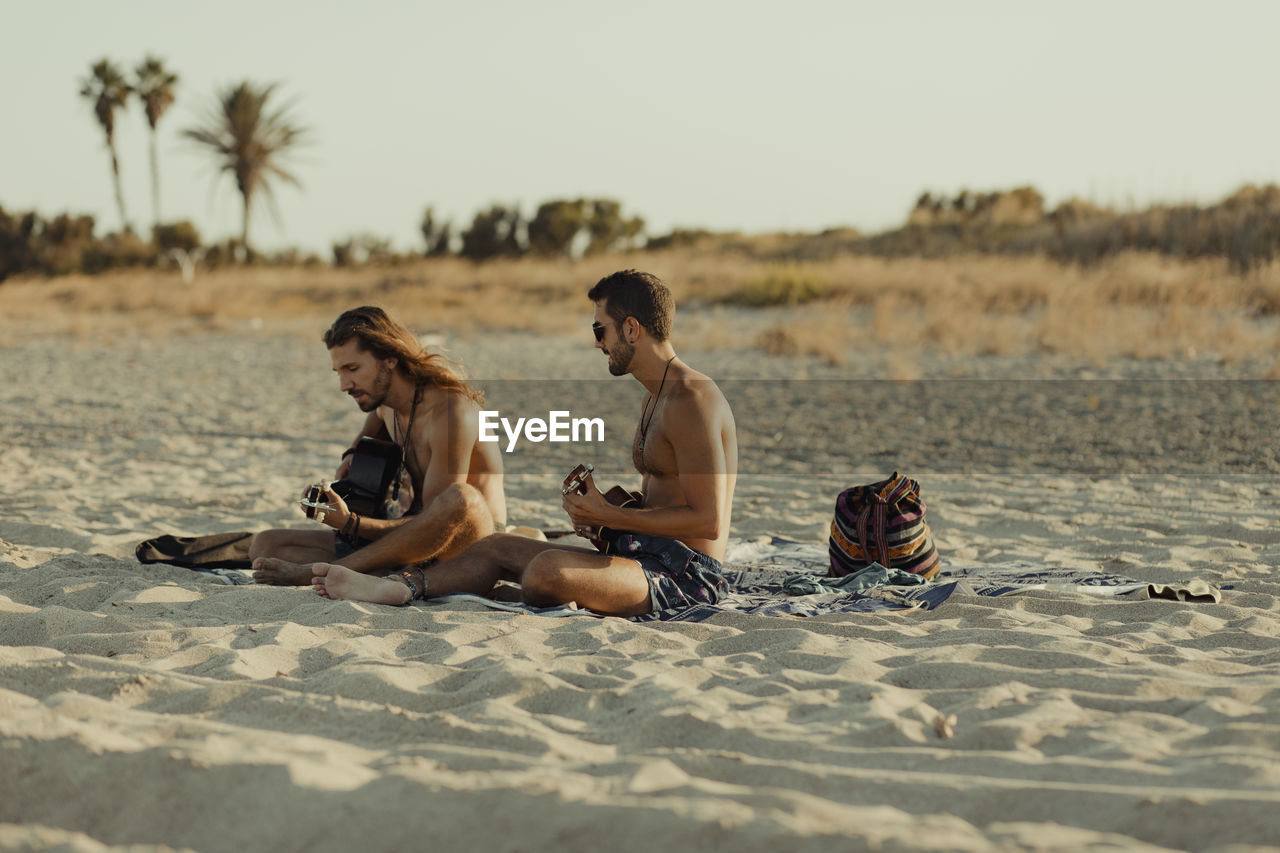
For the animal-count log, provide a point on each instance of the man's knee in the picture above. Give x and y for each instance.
(462, 502)
(544, 579)
(293, 545)
(474, 504)
(266, 543)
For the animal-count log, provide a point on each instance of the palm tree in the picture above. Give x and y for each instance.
(154, 86)
(108, 90)
(249, 140)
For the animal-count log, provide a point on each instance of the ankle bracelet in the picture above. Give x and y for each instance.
(416, 590)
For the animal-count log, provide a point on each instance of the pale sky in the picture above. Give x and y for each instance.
(756, 116)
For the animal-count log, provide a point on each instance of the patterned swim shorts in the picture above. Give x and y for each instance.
(678, 575)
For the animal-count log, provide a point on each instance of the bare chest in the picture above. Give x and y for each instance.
(415, 450)
(651, 450)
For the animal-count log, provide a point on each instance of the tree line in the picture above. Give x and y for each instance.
(248, 136)
(251, 136)
(245, 130)
(1243, 228)
(569, 228)
(558, 228)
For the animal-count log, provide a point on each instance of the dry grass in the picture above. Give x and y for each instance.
(1139, 306)
(446, 293)
(1142, 306)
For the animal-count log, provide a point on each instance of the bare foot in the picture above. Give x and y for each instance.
(340, 582)
(270, 570)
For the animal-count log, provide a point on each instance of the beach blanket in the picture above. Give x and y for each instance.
(763, 573)
(774, 576)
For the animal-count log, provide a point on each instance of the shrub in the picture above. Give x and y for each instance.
(176, 235)
(122, 249)
(785, 284)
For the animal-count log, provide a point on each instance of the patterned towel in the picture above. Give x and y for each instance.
(762, 572)
(773, 576)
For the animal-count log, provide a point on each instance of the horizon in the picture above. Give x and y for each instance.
(760, 120)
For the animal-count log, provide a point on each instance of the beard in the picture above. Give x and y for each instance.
(620, 358)
(377, 396)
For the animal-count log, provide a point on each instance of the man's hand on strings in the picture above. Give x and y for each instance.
(589, 511)
(336, 517)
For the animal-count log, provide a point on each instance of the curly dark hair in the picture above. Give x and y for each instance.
(631, 293)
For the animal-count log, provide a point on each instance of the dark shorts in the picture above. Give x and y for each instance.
(344, 547)
(678, 575)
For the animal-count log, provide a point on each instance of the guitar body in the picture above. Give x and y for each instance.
(375, 464)
(600, 537)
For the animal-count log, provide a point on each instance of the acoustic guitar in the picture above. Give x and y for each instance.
(375, 467)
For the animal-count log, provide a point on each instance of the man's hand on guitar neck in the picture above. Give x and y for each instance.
(344, 467)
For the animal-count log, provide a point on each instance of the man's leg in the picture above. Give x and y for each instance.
(281, 548)
(456, 518)
(476, 570)
(550, 575)
(615, 586)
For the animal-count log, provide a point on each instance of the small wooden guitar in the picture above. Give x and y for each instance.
(618, 496)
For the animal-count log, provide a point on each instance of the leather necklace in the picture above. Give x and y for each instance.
(644, 423)
(405, 447)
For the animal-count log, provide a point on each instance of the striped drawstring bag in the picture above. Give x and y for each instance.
(882, 523)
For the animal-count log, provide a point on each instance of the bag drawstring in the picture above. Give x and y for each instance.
(878, 510)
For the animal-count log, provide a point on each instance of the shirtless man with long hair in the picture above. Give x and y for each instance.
(667, 552)
(414, 398)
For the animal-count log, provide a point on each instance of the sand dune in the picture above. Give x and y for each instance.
(149, 707)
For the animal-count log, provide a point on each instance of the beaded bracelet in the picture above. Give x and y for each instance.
(414, 591)
(353, 536)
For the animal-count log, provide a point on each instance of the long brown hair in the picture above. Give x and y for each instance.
(385, 338)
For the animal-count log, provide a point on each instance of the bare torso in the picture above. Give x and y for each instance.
(445, 427)
(655, 454)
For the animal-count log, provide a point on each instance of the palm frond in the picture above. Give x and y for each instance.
(107, 88)
(250, 139)
(155, 86)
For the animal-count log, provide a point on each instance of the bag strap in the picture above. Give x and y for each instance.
(874, 512)
(899, 488)
(877, 511)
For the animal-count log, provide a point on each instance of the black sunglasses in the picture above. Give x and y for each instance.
(598, 330)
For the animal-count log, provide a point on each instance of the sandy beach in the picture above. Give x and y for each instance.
(149, 707)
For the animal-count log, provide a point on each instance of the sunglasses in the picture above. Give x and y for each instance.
(598, 330)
